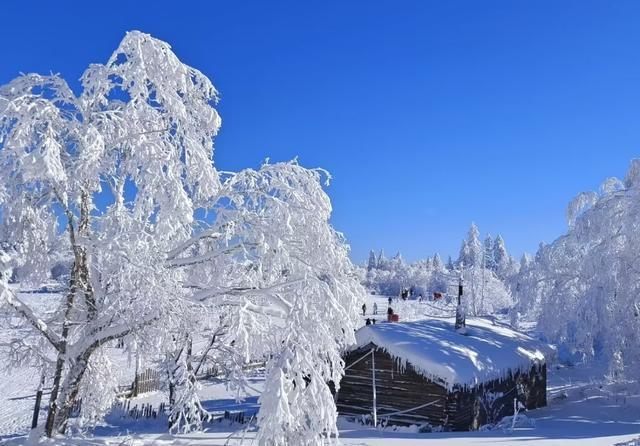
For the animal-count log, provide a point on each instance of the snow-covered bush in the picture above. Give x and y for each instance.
(583, 288)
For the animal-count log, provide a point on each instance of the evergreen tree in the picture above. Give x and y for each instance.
(372, 263)
(437, 262)
(471, 249)
(450, 265)
(501, 258)
(487, 252)
(462, 256)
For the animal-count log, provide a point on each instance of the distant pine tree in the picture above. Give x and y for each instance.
(450, 265)
(471, 249)
(488, 253)
(501, 257)
(373, 262)
(437, 262)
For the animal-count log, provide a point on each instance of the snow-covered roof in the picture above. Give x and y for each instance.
(488, 351)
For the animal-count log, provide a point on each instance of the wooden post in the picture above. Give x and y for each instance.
(460, 316)
(36, 409)
(135, 390)
(375, 405)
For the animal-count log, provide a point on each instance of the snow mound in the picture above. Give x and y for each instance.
(488, 351)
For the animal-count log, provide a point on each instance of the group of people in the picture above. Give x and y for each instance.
(391, 315)
(370, 321)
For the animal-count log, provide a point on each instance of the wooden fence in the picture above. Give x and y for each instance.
(147, 381)
(123, 409)
(151, 380)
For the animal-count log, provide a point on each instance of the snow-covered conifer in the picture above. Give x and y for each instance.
(372, 262)
(502, 260)
(471, 249)
(487, 251)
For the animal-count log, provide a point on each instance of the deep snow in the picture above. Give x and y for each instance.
(486, 352)
(581, 412)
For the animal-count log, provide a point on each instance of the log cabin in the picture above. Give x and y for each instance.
(425, 373)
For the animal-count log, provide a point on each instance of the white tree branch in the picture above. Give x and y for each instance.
(25, 311)
(243, 291)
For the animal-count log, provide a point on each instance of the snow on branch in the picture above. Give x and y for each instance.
(10, 298)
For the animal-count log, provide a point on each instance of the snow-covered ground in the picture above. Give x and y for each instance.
(580, 411)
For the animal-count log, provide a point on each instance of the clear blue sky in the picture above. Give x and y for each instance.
(429, 114)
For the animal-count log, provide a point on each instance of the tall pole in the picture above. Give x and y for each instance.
(484, 267)
(460, 316)
(460, 284)
(36, 409)
(375, 404)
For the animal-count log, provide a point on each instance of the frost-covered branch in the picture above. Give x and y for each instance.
(8, 296)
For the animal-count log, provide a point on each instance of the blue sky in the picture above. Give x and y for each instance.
(429, 114)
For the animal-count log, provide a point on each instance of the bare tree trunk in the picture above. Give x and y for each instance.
(62, 356)
(84, 271)
(171, 372)
(189, 352)
(53, 399)
(70, 391)
(71, 386)
(62, 349)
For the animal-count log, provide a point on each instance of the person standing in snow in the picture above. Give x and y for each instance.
(390, 300)
(364, 309)
(375, 308)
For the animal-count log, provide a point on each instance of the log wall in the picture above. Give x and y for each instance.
(400, 388)
(397, 390)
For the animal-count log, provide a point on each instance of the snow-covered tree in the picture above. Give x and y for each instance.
(583, 288)
(471, 249)
(487, 252)
(285, 287)
(450, 265)
(484, 292)
(123, 168)
(144, 122)
(372, 263)
(437, 262)
(502, 261)
(490, 291)
(525, 261)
